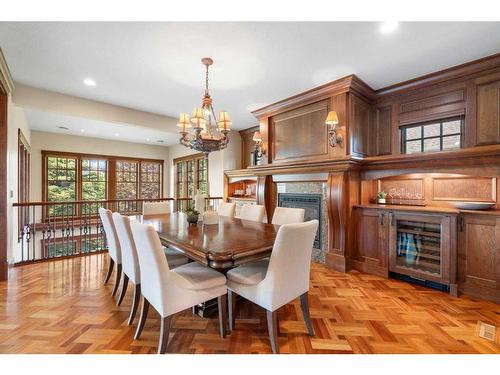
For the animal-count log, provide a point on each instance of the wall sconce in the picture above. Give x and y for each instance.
(333, 138)
(259, 151)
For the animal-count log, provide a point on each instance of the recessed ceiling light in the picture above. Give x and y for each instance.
(147, 139)
(89, 82)
(82, 130)
(388, 27)
(116, 134)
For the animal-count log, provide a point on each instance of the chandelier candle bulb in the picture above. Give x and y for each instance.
(184, 122)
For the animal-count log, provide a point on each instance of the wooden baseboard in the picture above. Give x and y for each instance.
(367, 267)
(4, 271)
(337, 262)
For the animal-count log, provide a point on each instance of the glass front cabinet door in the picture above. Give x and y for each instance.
(420, 246)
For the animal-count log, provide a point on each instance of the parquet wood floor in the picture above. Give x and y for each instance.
(62, 307)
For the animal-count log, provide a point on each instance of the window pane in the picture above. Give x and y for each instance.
(452, 127)
(150, 180)
(445, 134)
(126, 178)
(414, 132)
(61, 183)
(413, 147)
(432, 144)
(432, 130)
(94, 179)
(451, 142)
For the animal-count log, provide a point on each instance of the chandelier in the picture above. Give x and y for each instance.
(208, 134)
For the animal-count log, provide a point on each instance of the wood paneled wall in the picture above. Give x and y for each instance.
(437, 189)
(247, 146)
(294, 131)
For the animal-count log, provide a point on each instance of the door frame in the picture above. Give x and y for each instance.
(6, 87)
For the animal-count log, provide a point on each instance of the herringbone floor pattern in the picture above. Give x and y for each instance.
(62, 307)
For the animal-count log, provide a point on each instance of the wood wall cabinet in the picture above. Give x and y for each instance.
(488, 110)
(370, 241)
(479, 256)
(360, 124)
(382, 143)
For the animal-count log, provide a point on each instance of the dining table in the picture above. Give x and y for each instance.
(222, 246)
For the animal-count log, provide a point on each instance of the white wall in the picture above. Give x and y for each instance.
(70, 143)
(218, 162)
(16, 120)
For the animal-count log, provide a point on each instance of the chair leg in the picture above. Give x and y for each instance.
(110, 270)
(123, 291)
(222, 307)
(117, 280)
(142, 319)
(164, 332)
(304, 304)
(231, 299)
(272, 324)
(135, 303)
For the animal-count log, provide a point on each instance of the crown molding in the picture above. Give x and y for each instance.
(349, 83)
(470, 68)
(6, 82)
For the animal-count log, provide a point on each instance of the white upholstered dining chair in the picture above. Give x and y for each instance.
(114, 251)
(226, 209)
(130, 262)
(285, 277)
(287, 215)
(155, 208)
(172, 291)
(253, 212)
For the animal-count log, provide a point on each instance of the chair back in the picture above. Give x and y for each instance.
(152, 263)
(287, 215)
(130, 260)
(290, 264)
(111, 236)
(253, 212)
(155, 208)
(226, 209)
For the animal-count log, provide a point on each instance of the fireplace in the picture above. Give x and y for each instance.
(311, 196)
(311, 203)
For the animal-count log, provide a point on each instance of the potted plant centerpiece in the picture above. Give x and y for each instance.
(381, 197)
(192, 216)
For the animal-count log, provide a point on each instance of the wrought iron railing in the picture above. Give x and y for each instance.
(47, 230)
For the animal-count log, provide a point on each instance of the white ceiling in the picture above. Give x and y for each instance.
(78, 126)
(156, 67)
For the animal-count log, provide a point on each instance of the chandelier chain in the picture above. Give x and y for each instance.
(206, 80)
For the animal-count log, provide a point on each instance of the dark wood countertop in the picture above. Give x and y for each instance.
(430, 209)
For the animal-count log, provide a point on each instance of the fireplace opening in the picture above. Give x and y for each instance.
(311, 203)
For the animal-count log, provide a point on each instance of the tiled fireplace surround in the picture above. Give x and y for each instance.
(287, 185)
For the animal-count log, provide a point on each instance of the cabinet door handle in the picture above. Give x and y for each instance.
(381, 216)
(462, 224)
(392, 219)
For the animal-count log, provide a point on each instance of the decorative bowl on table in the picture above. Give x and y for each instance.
(473, 205)
(192, 216)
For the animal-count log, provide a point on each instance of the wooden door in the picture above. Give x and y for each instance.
(370, 240)
(420, 246)
(479, 256)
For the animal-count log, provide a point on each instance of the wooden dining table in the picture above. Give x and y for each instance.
(221, 246)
